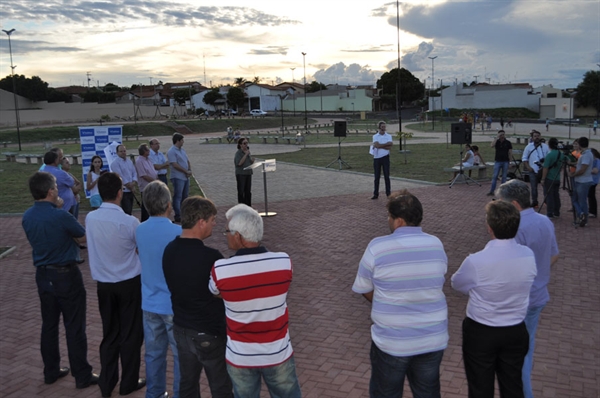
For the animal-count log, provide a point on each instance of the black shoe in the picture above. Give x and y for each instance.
(582, 220)
(375, 197)
(141, 384)
(490, 194)
(92, 381)
(62, 372)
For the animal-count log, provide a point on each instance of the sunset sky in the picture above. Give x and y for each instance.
(352, 42)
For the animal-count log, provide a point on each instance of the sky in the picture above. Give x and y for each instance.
(348, 42)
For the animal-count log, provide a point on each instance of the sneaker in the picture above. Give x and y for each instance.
(550, 216)
(593, 215)
(582, 220)
(490, 194)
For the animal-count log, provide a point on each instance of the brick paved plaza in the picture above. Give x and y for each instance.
(325, 220)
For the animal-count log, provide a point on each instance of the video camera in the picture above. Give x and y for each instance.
(566, 148)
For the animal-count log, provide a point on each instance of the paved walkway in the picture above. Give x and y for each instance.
(325, 220)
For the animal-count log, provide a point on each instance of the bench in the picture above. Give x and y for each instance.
(525, 140)
(481, 170)
(10, 156)
(28, 157)
(76, 158)
(137, 137)
(5, 143)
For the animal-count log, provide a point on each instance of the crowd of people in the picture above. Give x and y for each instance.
(158, 284)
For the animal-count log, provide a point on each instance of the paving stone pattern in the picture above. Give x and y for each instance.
(325, 220)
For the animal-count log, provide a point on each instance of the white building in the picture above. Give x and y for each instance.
(486, 96)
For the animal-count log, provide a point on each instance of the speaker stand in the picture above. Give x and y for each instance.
(461, 173)
(339, 159)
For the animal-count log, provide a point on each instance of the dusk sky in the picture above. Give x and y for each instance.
(352, 42)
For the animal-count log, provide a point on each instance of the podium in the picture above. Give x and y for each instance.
(268, 166)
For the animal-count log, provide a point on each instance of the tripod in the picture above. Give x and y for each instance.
(339, 159)
(461, 172)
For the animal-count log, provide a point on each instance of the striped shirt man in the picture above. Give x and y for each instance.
(254, 286)
(405, 271)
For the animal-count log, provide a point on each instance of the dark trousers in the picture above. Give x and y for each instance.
(127, 202)
(592, 203)
(61, 291)
(145, 214)
(551, 193)
(244, 188)
(378, 164)
(120, 306)
(490, 351)
(199, 351)
(163, 178)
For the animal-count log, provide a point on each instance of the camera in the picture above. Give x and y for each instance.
(566, 148)
(540, 162)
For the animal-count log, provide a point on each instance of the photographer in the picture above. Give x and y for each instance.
(551, 178)
(583, 181)
(533, 159)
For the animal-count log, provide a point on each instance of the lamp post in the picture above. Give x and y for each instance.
(432, 86)
(12, 72)
(281, 101)
(352, 110)
(293, 81)
(305, 110)
(399, 87)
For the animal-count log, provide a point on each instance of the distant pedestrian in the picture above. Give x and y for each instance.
(243, 177)
(547, 123)
(595, 126)
(502, 123)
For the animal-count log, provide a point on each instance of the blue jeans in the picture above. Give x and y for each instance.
(580, 194)
(388, 373)
(531, 323)
(158, 335)
(199, 351)
(281, 380)
(181, 189)
(497, 167)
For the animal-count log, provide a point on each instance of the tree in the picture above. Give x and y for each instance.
(588, 91)
(58, 96)
(212, 96)
(256, 80)
(411, 88)
(32, 88)
(111, 87)
(239, 82)
(315, 86)
(235, 97)
(181, 95)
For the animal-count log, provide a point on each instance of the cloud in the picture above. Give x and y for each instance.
(372, 49)
(30, 46)
(353, 74)
(414, 60)
(156, 12)
(269, 50)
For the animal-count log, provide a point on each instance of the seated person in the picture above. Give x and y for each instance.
(229, 135)
(467, 160)
(477, 158)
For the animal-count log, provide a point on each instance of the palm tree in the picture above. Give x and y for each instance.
(239, 81)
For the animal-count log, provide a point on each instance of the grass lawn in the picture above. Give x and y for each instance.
(14, 191)
(424, 162)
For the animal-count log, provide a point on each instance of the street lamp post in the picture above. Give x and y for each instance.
(432, 87)
(293, 81)
(305, 110)
(281, 101)
(399, 87)
(12, 71)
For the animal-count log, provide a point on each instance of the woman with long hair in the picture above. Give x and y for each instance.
(92, 181)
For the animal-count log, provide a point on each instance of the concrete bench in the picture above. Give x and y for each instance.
(289, 140)
(137, 137)
(10, 156)
(28, 157)
(525, 140)
(481, 170)
(5, 143)
(76, 158)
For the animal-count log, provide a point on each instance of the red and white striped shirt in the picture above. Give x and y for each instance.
(254, 285)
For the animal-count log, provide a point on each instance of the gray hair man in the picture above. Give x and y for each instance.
(583, 179)
(152, 236)
(254, 284)
(536, 232)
